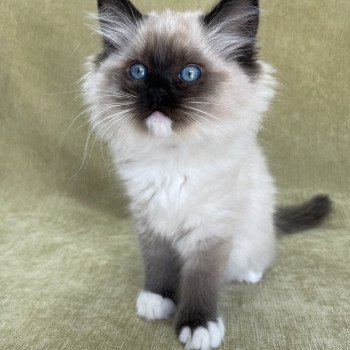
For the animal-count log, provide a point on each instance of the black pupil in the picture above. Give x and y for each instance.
(139, 71)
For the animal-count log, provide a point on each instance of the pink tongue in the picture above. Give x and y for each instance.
(159, 124)
(158, 116)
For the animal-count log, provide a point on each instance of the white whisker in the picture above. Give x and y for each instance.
(92, 129)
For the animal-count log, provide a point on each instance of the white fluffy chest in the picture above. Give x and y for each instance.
(174, 189)
(159, 188)
(160, 193)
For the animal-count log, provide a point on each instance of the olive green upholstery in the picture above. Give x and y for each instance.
(69, 263)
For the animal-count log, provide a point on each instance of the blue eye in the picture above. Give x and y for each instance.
(190, 73)
(138, 71)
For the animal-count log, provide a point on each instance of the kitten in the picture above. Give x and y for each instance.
(179, 98)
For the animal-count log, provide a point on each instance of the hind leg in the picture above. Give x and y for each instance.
(253, 250)
(238, 268)
(253, 246)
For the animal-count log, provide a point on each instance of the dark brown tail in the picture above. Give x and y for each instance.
(301, 217)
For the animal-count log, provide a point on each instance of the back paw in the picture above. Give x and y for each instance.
(248, 276)
(252, 276)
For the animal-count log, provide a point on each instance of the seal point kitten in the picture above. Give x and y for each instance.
(179, 97)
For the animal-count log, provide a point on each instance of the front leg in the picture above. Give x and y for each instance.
(161, 266)
(197, 322)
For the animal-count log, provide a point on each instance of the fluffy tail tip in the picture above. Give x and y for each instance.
(304, 216)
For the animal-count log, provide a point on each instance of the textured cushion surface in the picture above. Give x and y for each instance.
(70, 268)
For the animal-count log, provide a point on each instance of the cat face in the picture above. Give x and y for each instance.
(170, 73)
(165, 74)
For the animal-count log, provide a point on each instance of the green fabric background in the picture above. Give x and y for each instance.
(69, 263)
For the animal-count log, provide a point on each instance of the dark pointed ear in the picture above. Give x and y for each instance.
(234, 24)
(118, 20)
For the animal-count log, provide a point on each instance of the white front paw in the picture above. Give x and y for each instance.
(203, 338)
(153, 306)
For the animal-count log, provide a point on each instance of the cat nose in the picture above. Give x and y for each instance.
(156, 96)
